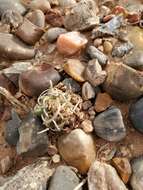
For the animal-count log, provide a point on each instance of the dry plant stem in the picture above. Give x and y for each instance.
(80, 184)
(12, 99)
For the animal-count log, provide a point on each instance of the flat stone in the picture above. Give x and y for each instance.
(136, 111)
(103, 176)
(32, 177)
(78, 149)
(123, 82)
(30, 142)
(123, 167)
(109, 125)
(82, 16)
(137, 175)
(75, 69)
(5, 164)
(64, 178)
(93, 73)
(11, 129)
(95, 53)
(88, 91)
(71, 43)
(102, 102)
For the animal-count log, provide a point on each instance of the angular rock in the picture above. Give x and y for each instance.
(94, 74)
(123, 167)
(12, 48)
(11, 129)
(102, 102)
(32, 177)
(37, 17)
(88, 91)
(137, 175)
(29, 32)
(64, 178)
(135, 60)
(103, 176)
(82, 16)
(122, 82)
(71, 84)
(43, 5)
(53, 33)
(5, 164)
(14, 5)
(30, 142)
(71, 43)
(44, 73)
(75, 69)
(109, 125)
(77, 149)
(94, 53)
(135, 114)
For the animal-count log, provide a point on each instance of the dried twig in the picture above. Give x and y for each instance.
(80, 184)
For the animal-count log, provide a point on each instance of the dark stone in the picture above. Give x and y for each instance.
(11, 129)
(94, 53)
(30, 142)
(109, 125)
(71, 84)
(63, 179)
(136, 115)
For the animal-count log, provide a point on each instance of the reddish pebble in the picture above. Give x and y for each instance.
(118, 10)
(108, 17)
(133, 18)
(71, 42)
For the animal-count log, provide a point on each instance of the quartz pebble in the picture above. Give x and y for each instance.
(71, 43)
(87, 91)
(82, 147)
(43, 5)
(102, 102)
(123, 168)
(94, 73)
(109, 125)
(75, 69)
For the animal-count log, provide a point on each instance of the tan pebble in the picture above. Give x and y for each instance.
(107, 47)
(101, 48)
(5, 164)
(87, 126)
(103, 101)
(56, 158)
(97, 42)
(71, 42)
(123, 167)
(75, 69)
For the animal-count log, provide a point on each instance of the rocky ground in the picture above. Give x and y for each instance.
(71, 87)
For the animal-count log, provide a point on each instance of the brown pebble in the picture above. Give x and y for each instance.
(5, 164)
(52, 150)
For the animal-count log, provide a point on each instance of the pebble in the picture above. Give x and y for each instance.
(137, 175)
(54, 17)
(71, 43)
(56, 158)
(135, 60)
(67, 3)
(71, 85)
(82, 16)
(87, 126)
(11, 129)
(43, 5)
(107, 47)
(87, 91)
(30, 142)
(123, 167)
(104, 177)
(14, 49)
(37, 17)
(122, 82)
(86, 105)
(97, 42)
(52, 150)
(94, 53)
(135, 114)
(53, 33)
(44, 73)
(94, 74)
(102, 102)
(109, 125)
(75, 69)
(64, 178)
(5, 164)
(29, 32)
(82, 147)
(31, 177)
(11, 5)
